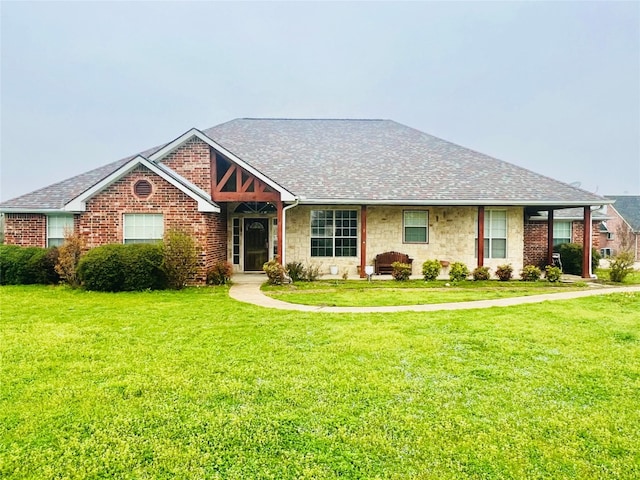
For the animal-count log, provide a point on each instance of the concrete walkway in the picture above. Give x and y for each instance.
(246, 288)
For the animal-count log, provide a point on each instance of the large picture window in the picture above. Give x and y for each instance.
(334, 233)
(416, 226)
(495, 234)
(143, 227)
(561, 233)
(57, 227)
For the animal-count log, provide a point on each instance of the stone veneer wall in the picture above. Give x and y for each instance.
(452, 232)
(26, 229)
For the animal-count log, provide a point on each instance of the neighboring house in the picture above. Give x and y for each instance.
(568, 227)
(335, 192)
(621, 231)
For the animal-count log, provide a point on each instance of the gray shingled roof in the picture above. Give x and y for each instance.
(359, 160)
(628, 206)
(377, 160)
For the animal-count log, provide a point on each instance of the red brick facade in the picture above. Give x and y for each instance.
(26, 229)
(535, 239)
(193, 161)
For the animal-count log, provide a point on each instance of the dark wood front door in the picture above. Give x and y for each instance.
(256, 243)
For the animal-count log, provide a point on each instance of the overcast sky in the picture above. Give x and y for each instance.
(550, 86)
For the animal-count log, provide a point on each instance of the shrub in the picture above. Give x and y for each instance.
(400, 271)
(504, 272)
(481, 273)
(552, 273)
(295, 270)
(458, 272)
(68, 258)
(116, 267)
(180, 259)
(621, 266)
(431, 269)
(311, 272)
(219, 273)
(27, 265)
(571, 258)
(530, 273)
(275, 272)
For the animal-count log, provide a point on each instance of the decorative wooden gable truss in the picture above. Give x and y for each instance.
(232, 183)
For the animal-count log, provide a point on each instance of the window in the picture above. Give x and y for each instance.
(236, 241)
(57, 226)
(415, 226)
(143, 227)
(495, 234)
(334, 233)
(561, 233)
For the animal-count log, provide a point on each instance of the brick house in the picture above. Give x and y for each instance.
(621, 230)
(335, 192)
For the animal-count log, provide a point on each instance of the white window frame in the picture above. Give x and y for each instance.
(557, 239)
(57, 227)
(142, 227)
(489, 236)
(332, 232)
(405, 225)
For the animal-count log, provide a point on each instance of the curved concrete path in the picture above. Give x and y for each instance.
(246, 288)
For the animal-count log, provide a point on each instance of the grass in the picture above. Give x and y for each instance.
(194, 385)
(356, 293)
(632, 279)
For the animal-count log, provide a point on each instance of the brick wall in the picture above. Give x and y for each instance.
(535, 235)
(26, 229)
(102, 223)
(192, 160)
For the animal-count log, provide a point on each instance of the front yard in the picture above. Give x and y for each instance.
(195, 385)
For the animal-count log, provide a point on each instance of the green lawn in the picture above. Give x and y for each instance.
(358, 293)
(195, 385)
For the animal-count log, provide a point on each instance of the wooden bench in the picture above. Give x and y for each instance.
(384, 260)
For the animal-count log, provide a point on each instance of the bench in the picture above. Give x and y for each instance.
(384, 260)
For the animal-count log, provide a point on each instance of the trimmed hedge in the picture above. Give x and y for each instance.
(27, 265)
(129, 267)
(571, 257)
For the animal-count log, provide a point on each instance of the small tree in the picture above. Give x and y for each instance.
(69, 254)
(621, 266)
(180, 259)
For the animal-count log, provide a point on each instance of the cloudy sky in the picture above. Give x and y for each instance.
(550, 86)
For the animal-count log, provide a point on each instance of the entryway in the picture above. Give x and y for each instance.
(256, 243)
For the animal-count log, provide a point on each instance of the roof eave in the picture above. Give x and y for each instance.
(450, 202)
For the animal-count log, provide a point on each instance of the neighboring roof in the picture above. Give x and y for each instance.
(341, 161)
(628, 206)
(571, 214)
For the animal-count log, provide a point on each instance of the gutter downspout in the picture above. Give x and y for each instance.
(284, 230)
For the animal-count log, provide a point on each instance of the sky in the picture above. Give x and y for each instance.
(550, 86)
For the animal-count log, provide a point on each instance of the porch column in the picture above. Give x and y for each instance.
(280, 239)
(550, 237)
(480, 236)
(363, 240)
(586, 243)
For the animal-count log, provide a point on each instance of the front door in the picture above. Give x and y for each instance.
(256, 243)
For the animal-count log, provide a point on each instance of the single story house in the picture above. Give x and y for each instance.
(334, 192)
(621, 231)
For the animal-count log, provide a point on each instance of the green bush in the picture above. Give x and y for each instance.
(431, 269)
(180, 258)
(621, 266)
(504, 272)
(295, 270)
(400, 271)
(458, 272)
(552, 273)
(275, 272)
(27, 265)
(219, 273)
(571, 257)
(115, 268)
(530, 273)
(481, 273)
